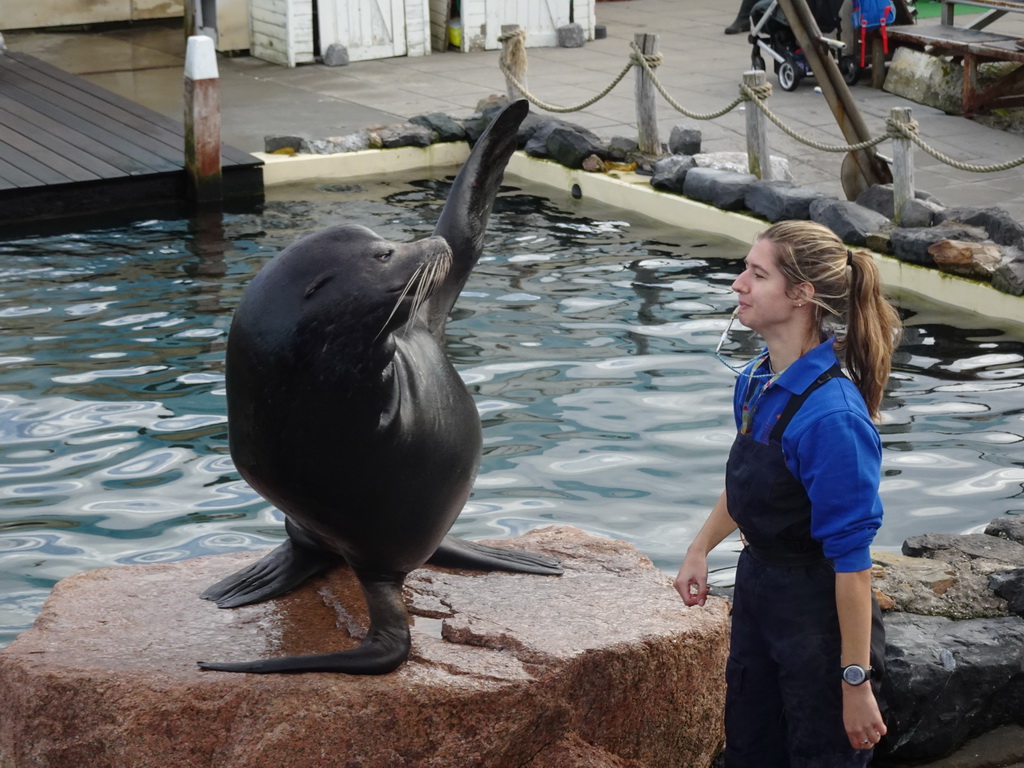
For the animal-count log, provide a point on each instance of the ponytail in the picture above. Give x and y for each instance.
(847, 290)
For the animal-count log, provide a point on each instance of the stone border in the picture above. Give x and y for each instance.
(633, 192)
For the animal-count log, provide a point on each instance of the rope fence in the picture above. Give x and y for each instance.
(897, 128)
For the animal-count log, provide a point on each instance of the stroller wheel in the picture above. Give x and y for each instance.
(849, 69)
(756, 62)
(789, 75)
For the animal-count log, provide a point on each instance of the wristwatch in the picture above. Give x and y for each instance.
(855, 674)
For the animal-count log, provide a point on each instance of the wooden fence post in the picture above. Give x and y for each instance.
(513, 56)
(646, 112)
(902, 164)
(759, 160)
(202, 120)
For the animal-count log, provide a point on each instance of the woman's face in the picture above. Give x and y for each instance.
(766, 300)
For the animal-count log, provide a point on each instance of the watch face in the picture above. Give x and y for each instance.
(854, 675)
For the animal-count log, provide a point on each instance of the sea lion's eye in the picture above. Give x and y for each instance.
(385, 255)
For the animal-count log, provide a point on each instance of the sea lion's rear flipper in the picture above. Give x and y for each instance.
(463, 222)
(279, 572)
(459, 553)
(383, 650)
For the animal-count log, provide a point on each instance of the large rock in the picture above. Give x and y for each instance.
(570, 145)
(600, 667)
(446, 128)
(912, 245)
(996, 222)
(926, 79)
(737, 162)
(1009, 278)
(956, 589)
(685, 139)
(977, 261)
(948, 681)
(723, 189)
(850, 222)
(780, 200)
(670, 172)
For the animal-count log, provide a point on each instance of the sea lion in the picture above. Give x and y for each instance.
(345, 413)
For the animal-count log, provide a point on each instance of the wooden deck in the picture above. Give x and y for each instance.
(68, 147)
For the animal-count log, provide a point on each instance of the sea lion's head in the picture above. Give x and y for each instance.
(344, 281)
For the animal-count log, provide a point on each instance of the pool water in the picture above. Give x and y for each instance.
(585, 335)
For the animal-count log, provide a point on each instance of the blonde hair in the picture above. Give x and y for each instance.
(847, 292)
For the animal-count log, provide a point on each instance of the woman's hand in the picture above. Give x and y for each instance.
(692, 580)
(863, 721)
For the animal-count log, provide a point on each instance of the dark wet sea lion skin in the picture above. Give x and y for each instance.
(351, 420)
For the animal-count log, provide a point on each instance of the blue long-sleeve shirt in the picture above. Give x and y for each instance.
(831, 446)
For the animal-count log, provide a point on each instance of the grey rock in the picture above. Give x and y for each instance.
(1009, 277)
(446, 128)
(911, 245)
(528, 128)
(948, 681)
(403, 135)
(3, 45)
(487, 110)
(879, 242)
(622, 148)
(919, 213)
(974, 545)
(1009, 585)
(738, 163)
(780, 200)
(537, 146)
(570, 145)
(1011, 528)
(957, 588)
(723, 189)
(881, 199)
(685, 139)
(277, 143)
(1001, 228)
(670, 173)
(570, 36)
(336, 56)
(355, 142)
(850, 222)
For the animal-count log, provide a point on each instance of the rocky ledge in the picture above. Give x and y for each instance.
(982, 244)
(955, 638)
(598, 668)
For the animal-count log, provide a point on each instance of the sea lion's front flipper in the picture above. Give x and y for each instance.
(463, 221)
(459, 553)
(279, 572)
(384, 649)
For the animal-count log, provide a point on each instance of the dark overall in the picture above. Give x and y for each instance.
(784, 706)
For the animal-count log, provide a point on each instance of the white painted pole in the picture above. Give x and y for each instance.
(202, 120)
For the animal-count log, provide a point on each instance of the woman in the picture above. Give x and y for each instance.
(802, 487)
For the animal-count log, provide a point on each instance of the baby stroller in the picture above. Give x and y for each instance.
(772, 35)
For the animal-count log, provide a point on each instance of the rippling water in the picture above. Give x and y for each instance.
(585, 338)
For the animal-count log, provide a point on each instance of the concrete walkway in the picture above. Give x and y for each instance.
(702, 70)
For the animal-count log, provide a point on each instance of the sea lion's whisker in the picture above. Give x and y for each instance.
(405, 292)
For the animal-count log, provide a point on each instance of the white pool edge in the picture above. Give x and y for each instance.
(632, 192)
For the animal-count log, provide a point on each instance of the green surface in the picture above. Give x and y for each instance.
(930, 9)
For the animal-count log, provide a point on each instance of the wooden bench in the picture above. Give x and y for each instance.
(974, 45)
